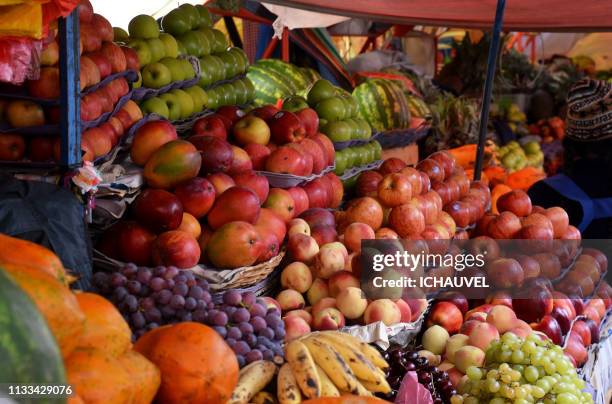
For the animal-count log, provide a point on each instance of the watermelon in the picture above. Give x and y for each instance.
(274, 79)
(418, 107)
(383, 104)
(28, 351)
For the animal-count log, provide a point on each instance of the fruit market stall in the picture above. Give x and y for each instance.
(239, 214)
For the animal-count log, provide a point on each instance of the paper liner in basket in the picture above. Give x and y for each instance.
(412, 392)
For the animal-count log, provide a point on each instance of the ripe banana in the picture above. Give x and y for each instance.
(304, 368)
(328, 389)
(251, 380)
(287, 391)
(263, 397)
(368, 351)
(359, 364)
(376, 387)
(332, 364)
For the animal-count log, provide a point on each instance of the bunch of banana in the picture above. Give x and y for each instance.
(252, 379)
(329, 364)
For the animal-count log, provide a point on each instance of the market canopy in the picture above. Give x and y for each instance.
(520, 15)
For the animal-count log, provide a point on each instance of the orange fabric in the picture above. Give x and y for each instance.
(520, 15)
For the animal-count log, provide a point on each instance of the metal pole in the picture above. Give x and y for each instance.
(488, 87)
(70, 102)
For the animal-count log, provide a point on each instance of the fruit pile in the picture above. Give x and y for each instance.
(384, 104)
(550, 129)
(100, 58)
(357, 156)
(401, 361)
(338, 112)
(523, 370)
(515, 157)
(276, 80)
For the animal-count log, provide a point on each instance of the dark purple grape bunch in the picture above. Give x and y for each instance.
(253, 331)
(403, 360)
(150, 297)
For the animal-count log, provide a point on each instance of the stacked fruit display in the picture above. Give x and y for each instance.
(515, 157)
(357, 156)
(323, 275)
(84, 338)
(384, 105)
(275, 80)
(549, 129)
(338, 113)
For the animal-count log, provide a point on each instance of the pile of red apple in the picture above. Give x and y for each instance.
(321, 289)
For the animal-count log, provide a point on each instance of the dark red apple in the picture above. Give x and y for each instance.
(286, 127)
(310, 120)
(266, 112)
(197, 196)
(300, 197)
(231, 112)
(532, 303)
(563, 318)
(549, 326)
(210, 126)
(324, 234)
(318, 217)
(455, 298)
(176, 248)
(258, 154)
(255, 182)
(159, 210)
(217, 154)
(318, 195)
(134, 243)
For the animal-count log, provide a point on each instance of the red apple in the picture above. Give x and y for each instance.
(12, 147)
(460, 212)
(310, 120)
(446, 160)
(549, 326)
(241, 162)
(285, 160)
(562, 316)
(326, 145)
(266, 112)
(317, 192)
(318, 217)
(269, 222)
(102, 62)
(559, 219)
(255, 182)
(85, 11)
(446, 315)
(391, 165)
(516, 201)
(134, 243)
(532, 303)
(280, 202)
(367, 183)
(102, 27)
(300, 198)
(504, 226)
(258, 154)
(455, 298)
(432, 168)
(210, 126)
(306, 162)
(316, 151)
(231, 112)
(235, 204)
(158, 210)
(197, 196)
(337, 190)
(394, 190)
(271, 247)
(176, 248)
(131, 58)
(324, 234)
(286, 127)
(90, 38)
(47, 85)
(217, 154)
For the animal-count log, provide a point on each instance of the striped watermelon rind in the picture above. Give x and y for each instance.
(383, 104)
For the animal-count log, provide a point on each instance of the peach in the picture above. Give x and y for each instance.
(318, 290)
(417, 307)
(445, 366)
(328, 319)
(290, 299)
(453, 344)
(303, 314)
(295, 327)
(447, 315)
(483, 334)
(324, 303)
(332, 258)
(340, 281)
(468, 326)
(502, 317)
(468, 356)
(382, 310)
(405, 310)
(271, 303)
(354, 233)
(434, 339)
(455, 376)
(432, 358)
(351, 302)
(298, 226)
(296, 276)
(386, 233)
(521, 329)
(302, 247)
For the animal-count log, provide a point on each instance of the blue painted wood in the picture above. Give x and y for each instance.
(488, 87)
(70, 119)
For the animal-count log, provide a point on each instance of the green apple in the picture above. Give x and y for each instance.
(338, 131)
(187, 69)
(170, 44)
(181, 49)
(362, 155)
(331, 109)
(250, 89)
(227, 95)
(137, 83)
(155, 105)
(351, 157)
(204, 42)
(221, 42)
(173, 104)
(199, 97)
(241, 91)
(218, 68)
(176, 68)
(340, 160)
(187, 106)
(322, 123)
(143, 27)
(371, 156)
(142, 50)
(205, 74)
(242, 62)
(377, 149)
(364, 128)
(193, 16)
(191, 42)
(156, 75)
(354, 128)
(210, 38)
(176, 22)
(157, 48)
(347, 106)
(213, 98)
(120, 35)
(321, 90)
(294, 103)
(205, 18)
(229, 62)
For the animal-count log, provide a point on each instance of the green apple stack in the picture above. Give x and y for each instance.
(338, 113)
(357, 156)
(514, 157)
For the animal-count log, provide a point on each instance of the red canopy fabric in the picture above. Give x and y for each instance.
(520, 15)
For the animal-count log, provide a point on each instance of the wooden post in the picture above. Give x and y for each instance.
(285, 44)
